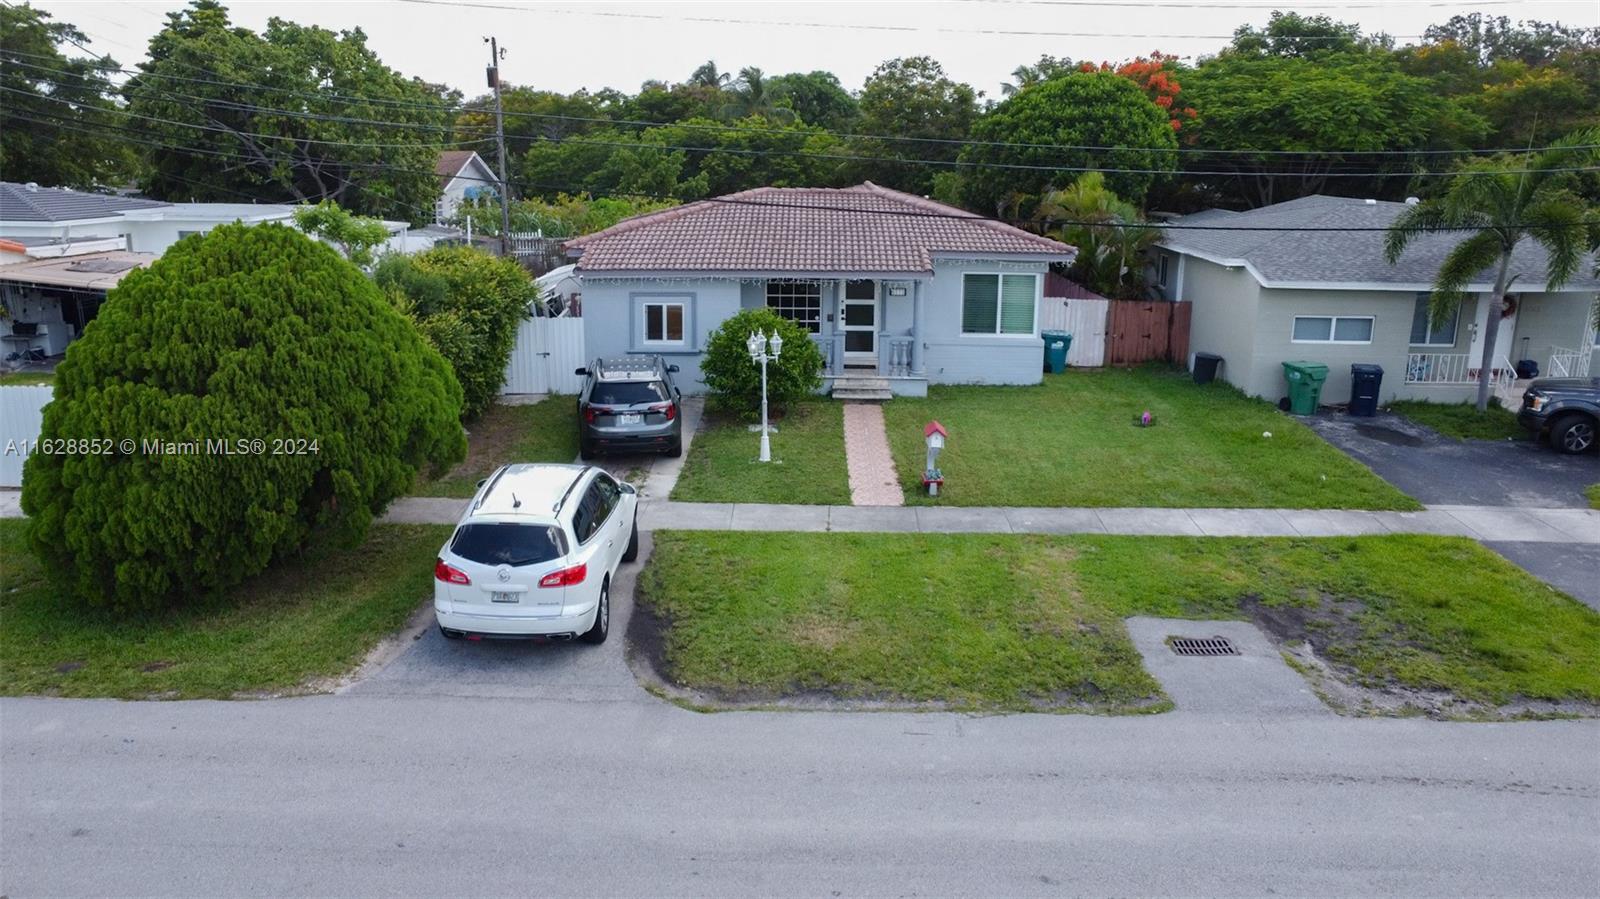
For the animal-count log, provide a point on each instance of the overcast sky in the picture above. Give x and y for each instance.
(567, 45)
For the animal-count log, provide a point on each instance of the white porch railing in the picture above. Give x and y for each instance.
(1566, 362)
(1456, 369)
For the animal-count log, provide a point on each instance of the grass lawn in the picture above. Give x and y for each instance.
(544, 432)
(20, 378)
(317, 618)
(1021, 622)
(1593, 492)
(808, 464)
(1463, 421)
(1071, 441)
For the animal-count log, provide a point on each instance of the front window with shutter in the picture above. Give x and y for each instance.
(998, 304)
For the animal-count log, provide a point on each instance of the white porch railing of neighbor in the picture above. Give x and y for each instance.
(1566, 362)
(1455, 369)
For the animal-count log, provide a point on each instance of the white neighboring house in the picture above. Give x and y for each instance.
(463, 175)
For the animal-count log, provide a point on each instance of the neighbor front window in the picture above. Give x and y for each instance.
(1332, 329)
(797, 301)
(998, 304)
(1161, 270)
(1425, 333)
(663, 323)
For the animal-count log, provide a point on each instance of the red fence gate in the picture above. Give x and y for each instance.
(1139, 331)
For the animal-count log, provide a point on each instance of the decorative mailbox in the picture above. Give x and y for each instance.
(934, 434)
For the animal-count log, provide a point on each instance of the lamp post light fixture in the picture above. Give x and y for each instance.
(764, 349)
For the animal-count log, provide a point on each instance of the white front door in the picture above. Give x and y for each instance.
(860, 322)
(1503, 336)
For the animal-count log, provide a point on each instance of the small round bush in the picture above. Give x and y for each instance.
(735, 382)
(481, 300)
(240, 335)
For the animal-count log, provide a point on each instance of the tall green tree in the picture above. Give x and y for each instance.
(1496, 204)
(1051, 124)
(1292, 34)
(817, 98)
(59, 124)
(911, 97)
(1322, 108)
(292, 113)
(1046, 68)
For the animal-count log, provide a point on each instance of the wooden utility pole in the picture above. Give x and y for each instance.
(495, 55)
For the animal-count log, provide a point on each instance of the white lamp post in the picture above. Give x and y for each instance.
(758, 346)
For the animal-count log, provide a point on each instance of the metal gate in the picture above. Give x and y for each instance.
(544, 356)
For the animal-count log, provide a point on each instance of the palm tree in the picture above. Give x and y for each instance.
(1498, 208)
(749, 96)
(708, 76)
(1097, 222)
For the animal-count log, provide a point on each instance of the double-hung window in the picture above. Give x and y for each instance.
(998, 304)
(1425, 333)
(663, 323)
(797, 301)
(1332, 329)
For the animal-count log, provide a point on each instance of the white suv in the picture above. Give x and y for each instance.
(534, 555)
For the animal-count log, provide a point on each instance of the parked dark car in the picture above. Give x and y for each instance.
(1568, 409)
(629, 404)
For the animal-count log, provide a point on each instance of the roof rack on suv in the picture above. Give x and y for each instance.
(489, 487)
(556, 509)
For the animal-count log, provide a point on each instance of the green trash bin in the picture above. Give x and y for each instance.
(1056, 344)
(1305, 385)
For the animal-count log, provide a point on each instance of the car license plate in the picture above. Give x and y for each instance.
(630, 418)
(504, 597)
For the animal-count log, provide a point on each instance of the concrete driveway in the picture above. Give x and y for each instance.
(1440, 471)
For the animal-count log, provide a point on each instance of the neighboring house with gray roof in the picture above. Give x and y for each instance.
(1268, 287)
(897, 291)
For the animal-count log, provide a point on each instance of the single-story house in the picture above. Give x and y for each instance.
(1268, 286)
(463, 175)
(898, 291)
(146, 226)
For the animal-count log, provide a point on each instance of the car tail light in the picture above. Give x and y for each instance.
(588, 414)
(449, 573)
(670, 410)
(566, 577)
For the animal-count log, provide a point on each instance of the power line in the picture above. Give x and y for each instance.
(823, 207)
(836, 157)
(460, 110)
(899, 29)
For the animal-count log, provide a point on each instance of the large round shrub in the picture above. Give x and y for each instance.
(469, 305)
(735, 381)
(246, 333)
(1058, 120)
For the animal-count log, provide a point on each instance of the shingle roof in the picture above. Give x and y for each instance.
(865, 228)
(1282, 256)
(22, 203)
(451, 162)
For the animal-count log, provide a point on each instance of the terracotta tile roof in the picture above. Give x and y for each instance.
(865, 228)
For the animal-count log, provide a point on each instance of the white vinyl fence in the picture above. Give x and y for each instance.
(1085, 320)
(21, 418)
(544, 356)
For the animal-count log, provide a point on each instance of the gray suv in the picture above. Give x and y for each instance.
(1568, 409)
(629, 404)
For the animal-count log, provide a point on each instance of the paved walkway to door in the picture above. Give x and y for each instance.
(873, 480)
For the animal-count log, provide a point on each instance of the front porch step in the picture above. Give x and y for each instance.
(863, 396)
(864, 383)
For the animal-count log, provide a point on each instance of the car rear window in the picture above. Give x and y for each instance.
(508, 544)
(627, 393)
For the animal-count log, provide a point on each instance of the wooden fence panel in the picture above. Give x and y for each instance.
(1140, 331)
(544, 356)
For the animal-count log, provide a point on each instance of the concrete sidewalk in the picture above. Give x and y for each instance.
(1486, 523)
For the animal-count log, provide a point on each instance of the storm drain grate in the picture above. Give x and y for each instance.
(1202, 646)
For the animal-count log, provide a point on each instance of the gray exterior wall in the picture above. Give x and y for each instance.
(951, 357)
(1223, 319)
(1550, 320)
(614, 319)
